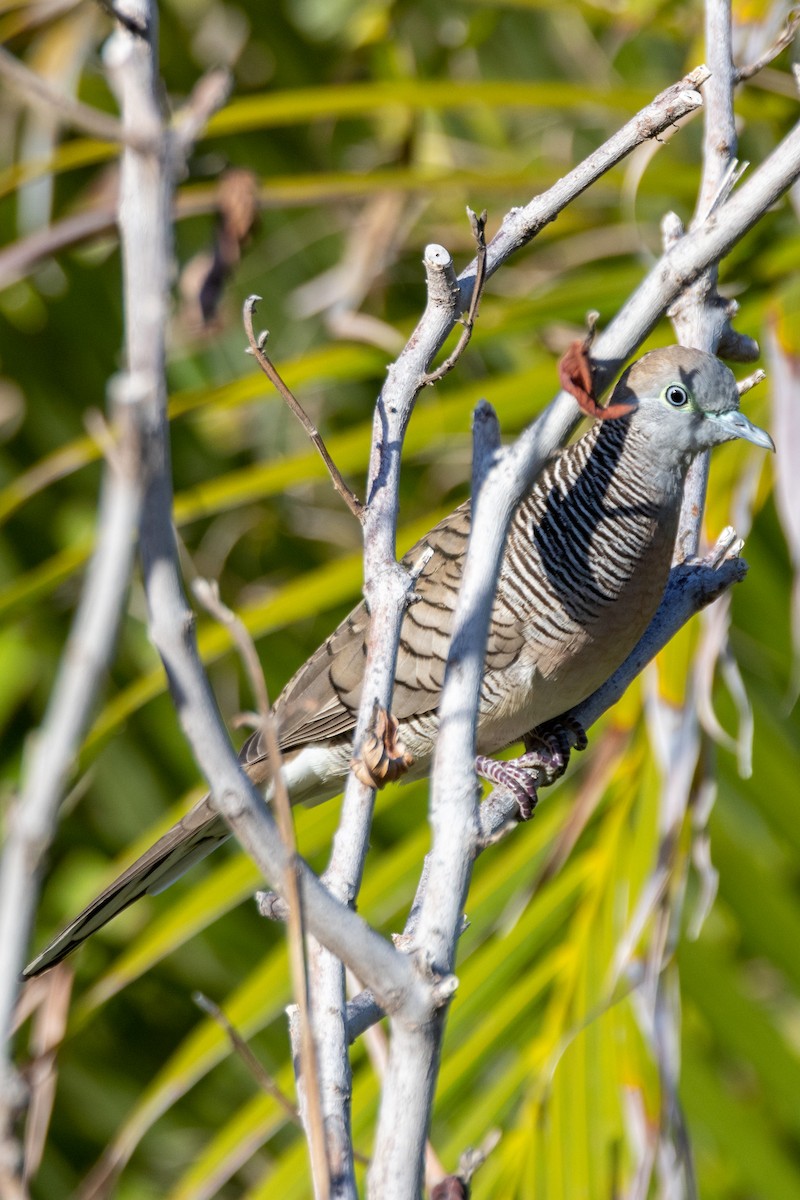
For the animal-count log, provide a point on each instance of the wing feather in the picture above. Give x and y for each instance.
(321, 701)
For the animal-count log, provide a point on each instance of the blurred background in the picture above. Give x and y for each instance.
(356, 133)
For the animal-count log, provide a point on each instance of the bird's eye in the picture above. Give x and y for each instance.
(676, 395)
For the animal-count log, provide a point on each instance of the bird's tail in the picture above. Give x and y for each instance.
(194, 836)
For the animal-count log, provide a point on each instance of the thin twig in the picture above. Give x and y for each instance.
(269, 369)
(784, 39)
(478, 225)
(207, 592)
(750, 381)
(207, 96)
(250, 1060)
(456, 1187)
(702, 319)
(255, 1066)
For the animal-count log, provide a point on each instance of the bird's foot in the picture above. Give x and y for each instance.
(546, 757)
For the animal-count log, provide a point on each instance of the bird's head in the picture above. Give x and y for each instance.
(685, 401)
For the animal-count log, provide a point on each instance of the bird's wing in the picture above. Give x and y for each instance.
(321, 701)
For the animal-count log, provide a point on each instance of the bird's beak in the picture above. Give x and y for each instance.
(736, 425)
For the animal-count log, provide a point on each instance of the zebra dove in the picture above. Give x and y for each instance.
(585, 566)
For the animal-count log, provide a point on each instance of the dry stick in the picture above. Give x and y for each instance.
(700, 316)
(750, 381)
(171, 620)
(387, 588)
(784, 39)
(21, 257)
(254, 1066)
(209, 94)
(327, 1092)
(478, 226)
(522, 224)
(31, 821)
(457, 1187)
(207, 592)
(82, 666)
(499, 482)
(257, 350)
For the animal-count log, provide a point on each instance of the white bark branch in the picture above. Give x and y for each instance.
(147, 263)
(32, 818)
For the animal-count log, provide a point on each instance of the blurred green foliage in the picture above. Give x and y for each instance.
(369, 126)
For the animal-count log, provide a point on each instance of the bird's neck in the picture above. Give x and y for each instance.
(641, 464)
(608, 487)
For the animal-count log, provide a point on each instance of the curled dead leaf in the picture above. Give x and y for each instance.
(575, 376)
(383, 757)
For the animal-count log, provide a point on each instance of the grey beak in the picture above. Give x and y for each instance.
(736, 425)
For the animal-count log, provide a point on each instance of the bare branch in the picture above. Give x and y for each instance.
(686, 260)
(207, 96)
(702, 319)
(499, 482)
(751, 381)
(522, 224)
(269, 369)
(33, 817)
(478, 224)
(147, 254)
(93, 632)
(784, 39)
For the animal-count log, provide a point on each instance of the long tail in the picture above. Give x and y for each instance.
(194, 836)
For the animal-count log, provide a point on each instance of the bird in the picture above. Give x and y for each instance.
(585, 565)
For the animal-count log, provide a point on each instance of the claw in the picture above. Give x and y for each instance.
(517, 776)
(557, 739)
